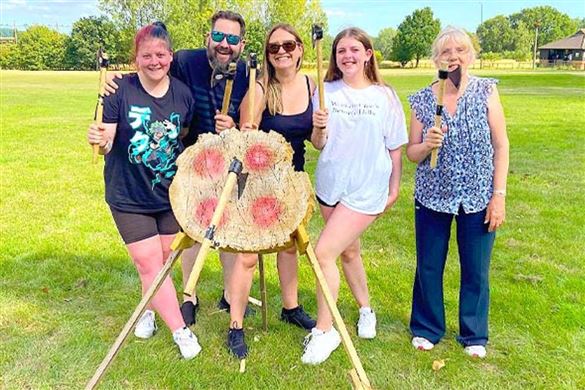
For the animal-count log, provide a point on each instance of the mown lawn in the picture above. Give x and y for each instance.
(67, 286)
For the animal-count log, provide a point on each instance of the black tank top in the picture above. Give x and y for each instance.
(294, 128)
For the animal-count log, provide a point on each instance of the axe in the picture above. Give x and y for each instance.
(229, 84)
(443, 75)
(103, 61)
(252, 68)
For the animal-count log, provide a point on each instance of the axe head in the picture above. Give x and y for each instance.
(231, 72)
(103, 58)
(252, 63)
(443, 73)
(316, 34)
(236, 167)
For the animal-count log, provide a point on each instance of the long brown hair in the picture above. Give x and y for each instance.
(370, 68)
(269, 80)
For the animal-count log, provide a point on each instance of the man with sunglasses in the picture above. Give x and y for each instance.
(204, 71)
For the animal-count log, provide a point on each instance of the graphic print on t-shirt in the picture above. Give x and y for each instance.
(355, 109)
(155, 145)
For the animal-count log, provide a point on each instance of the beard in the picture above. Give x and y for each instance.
(216, 65)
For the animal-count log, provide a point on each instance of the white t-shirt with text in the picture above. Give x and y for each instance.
(354, 167)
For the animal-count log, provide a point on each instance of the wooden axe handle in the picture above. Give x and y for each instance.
(99, 110)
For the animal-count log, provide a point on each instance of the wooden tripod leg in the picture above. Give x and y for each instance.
(263, 296)
(346, 340)
(157, 282)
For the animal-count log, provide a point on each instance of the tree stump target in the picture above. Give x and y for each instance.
(274, 202)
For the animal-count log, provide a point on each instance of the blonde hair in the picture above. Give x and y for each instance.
(371, 68)
(269, 80)
(457, 35)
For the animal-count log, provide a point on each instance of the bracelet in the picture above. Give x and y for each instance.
(501, 193)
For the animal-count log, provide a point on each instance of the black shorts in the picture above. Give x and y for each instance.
(321, 202)
(135, 227)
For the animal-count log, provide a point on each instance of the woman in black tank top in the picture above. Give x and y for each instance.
(284, 105)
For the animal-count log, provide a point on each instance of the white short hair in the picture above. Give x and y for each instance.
(455, 34)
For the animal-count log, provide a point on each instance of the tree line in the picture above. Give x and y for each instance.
(42, 48)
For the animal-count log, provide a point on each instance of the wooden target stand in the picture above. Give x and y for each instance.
(212, 238)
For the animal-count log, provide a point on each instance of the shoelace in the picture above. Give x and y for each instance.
(366, 318)
(307, 340)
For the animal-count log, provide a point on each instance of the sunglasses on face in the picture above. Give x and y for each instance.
(218, 36)
(288, 47)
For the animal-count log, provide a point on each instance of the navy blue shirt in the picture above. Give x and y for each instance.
(294, 128)
(141, 164)
(192, 67)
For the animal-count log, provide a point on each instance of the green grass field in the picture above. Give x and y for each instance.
(67, 285)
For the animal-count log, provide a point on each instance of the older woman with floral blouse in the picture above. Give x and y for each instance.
(468, 184)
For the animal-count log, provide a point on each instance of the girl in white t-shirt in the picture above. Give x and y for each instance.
(359, 132)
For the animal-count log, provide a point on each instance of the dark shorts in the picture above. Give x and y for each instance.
(136, 227)
(321, 202)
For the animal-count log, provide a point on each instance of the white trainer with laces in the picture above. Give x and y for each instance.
(366, 325)
(319, 345)
(422, 344)
(476, 351)
(187, 342)
(146, 325)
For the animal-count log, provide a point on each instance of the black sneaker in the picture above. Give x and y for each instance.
(236, 343)
(189, 312)
(298, 317)
(223, 304)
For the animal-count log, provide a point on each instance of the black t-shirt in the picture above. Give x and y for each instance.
(141, 164)
(192, 67)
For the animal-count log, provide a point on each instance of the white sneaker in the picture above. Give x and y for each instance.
(319, 345)
(422, 344)
(146, 326)
(366, 325)
(187, 342)
(476, 351)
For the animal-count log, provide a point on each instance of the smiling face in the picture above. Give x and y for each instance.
(456, 54)
(220, 54)
(350, 56)
(153, 58)
(283, 59)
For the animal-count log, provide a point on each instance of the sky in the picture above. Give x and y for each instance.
(371, 15)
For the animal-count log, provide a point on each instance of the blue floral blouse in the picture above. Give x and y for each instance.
(465, 168)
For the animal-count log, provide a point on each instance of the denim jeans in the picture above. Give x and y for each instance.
(475, 245)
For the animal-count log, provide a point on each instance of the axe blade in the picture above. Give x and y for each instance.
(236, 167)
(103, 58)
(316, 34)
(252, 63)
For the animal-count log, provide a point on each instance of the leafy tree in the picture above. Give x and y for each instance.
(129, 15)
(496, 34)
(553, 24)
(87, 36)
(188, 20)
(40, 48)
(580, 23)
(415, 36)
(8, 56)
(383, 42)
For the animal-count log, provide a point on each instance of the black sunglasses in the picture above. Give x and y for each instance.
(288, 47)
(218, 36)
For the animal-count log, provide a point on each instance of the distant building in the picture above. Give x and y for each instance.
(568, 50)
